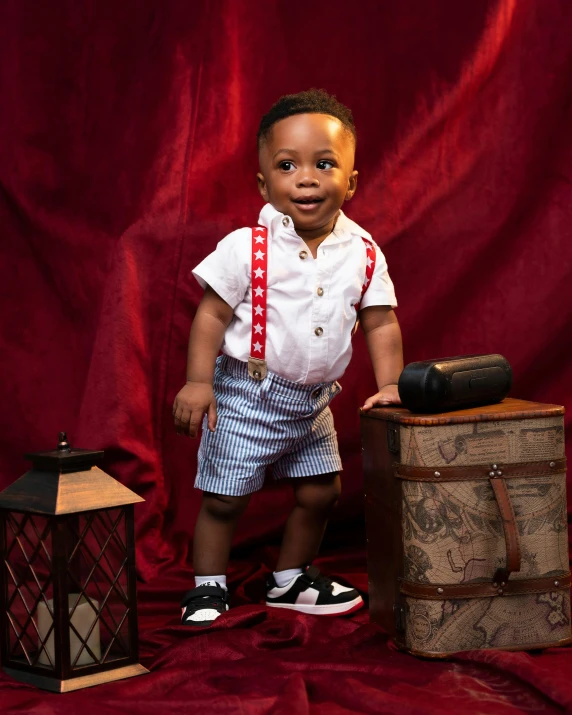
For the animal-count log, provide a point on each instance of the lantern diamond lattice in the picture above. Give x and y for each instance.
(68, 607)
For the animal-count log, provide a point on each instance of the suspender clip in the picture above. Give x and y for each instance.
(257, 368)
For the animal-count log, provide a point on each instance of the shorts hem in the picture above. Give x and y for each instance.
(226, 488)
(300, 471)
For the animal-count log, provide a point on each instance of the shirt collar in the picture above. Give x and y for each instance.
(345, 229)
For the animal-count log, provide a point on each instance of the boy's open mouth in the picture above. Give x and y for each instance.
(307, 202)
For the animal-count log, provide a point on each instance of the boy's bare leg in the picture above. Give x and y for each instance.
(315, 499)
(214, 531)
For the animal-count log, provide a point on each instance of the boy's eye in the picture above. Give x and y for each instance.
(286, 165)
(325, 164)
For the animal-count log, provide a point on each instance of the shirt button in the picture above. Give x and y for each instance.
(320, 292)
(285, 221)
(316, 393)
(319, 331)
(303, 254)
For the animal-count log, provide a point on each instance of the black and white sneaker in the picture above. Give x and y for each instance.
(310, 592)
(204, 604)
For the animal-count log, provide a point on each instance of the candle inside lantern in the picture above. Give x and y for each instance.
(82, 620)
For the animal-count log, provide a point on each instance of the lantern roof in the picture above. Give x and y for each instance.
(65, 481)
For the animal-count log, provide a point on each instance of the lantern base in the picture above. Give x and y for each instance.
(83, 681)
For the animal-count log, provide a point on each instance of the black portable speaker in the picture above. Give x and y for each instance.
(454, 383)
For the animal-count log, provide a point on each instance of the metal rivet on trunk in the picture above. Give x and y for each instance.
(552, 464)
(495, 466)
(439, 591)
(437, 474)
(557, 583)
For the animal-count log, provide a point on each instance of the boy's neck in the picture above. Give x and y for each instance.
(314, 237)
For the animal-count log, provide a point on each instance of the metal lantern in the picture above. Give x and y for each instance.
(68, 604)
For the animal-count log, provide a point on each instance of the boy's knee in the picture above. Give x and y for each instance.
(224, 508)
(319, 496)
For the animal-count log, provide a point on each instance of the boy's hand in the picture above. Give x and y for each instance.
(388, 395)
(191, 403)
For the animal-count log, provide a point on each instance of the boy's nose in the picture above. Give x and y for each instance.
(308, 179)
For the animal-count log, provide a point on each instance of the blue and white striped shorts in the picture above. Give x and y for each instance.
(268, 422)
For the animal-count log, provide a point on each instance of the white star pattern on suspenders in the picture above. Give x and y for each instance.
(261, 237)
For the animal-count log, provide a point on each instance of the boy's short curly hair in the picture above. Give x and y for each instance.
(313, 101)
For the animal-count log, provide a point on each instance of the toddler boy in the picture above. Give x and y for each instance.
(281, 301)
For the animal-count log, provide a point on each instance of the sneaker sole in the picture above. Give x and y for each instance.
(335, 609)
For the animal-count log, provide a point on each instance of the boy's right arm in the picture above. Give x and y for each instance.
(197, 397)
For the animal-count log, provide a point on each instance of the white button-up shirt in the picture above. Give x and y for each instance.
(310, 301)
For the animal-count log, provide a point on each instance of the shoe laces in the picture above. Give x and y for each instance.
(324, 581)
(320, 581)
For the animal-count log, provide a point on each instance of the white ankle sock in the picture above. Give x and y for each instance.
(283, 578)
(211, 581)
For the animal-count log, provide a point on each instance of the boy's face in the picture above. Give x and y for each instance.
(307, 171)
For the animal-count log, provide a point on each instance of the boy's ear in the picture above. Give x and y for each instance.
(262, 186)
(352, 185)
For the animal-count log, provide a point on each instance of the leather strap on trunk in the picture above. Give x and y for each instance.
(485, 589)
(479, 471)
(511, 535)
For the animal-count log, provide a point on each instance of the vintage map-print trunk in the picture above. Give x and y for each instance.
(466, 527)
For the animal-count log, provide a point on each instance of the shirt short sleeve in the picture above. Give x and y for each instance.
(227, 269)
(380, 290)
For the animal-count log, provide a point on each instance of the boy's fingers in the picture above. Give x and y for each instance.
(212, 416)
(379, 399)
(177, 419)
(195, 422)
(384, 399)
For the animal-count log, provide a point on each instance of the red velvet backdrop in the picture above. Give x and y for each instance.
(127, 150)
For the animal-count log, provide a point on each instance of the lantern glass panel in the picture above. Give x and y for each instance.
(98, 586)
(29, 588)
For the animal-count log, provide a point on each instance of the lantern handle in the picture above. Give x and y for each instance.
(63, 444)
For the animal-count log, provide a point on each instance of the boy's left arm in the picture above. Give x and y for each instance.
(383, 338)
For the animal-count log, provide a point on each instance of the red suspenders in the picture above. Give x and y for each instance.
(369, 268)
(259, 278)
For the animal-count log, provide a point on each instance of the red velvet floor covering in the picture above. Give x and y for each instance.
(263, 662)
